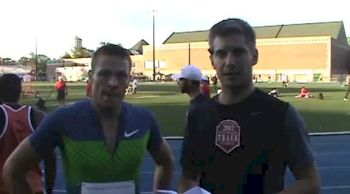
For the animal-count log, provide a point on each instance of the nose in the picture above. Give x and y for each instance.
(230, 59)
(113, 81)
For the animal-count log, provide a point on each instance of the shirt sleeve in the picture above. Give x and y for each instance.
(298, 148)
(192, 153)
(155, 139)
(48, 134)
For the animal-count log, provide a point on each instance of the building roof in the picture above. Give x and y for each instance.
(332, 29)
(139, 46)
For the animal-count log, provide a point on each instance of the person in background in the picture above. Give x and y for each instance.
(214, 79)
(304, 93)
(189, 81)
(347, 88)
(274, 92)
(89, 85)
(16, 123)
(61, 89)
(205, 88)
(134, 86)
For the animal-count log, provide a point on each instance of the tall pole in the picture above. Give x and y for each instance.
(36, 65)
(154, 51)
(36, 58)
(189, 53)
(2, 65)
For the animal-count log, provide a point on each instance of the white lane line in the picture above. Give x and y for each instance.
(333, 167)
(336, 187)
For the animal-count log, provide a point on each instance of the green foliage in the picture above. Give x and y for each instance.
(81, 52)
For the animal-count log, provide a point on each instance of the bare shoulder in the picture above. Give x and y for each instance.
(38, 115)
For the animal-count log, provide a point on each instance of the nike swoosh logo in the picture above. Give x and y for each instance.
(126, 134)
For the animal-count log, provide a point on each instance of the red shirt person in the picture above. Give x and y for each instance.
(304, 93)
(205, 88)
(89, 88)
(61, 88)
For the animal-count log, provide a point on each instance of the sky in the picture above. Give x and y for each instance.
(55, 23)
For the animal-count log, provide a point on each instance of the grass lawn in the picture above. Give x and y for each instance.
(169, 106)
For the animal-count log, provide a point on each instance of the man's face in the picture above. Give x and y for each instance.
(184, 85)
(110, 78)
(233, 60)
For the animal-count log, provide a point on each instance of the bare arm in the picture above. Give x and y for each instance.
(164, 160)
(50, 161)
(16, 166)
(307, 180)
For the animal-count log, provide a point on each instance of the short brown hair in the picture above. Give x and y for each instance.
(232, 26)
(112, 50)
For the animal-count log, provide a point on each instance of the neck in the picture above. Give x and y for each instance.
(10, 102)
(235, 95)
(108, 113)
(193, 94)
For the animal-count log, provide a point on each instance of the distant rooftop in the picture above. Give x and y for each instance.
(333, 29)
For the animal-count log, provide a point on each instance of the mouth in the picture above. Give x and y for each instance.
(231, 74)
(110, 95)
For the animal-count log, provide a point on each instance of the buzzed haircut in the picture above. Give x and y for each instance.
(10, 88)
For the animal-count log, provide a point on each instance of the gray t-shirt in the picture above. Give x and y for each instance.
(244, 147)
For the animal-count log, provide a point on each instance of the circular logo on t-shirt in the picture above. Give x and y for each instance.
(228, 133)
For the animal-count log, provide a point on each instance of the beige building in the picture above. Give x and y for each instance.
(297, 52)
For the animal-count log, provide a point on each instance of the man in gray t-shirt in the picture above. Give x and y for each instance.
(242, 140)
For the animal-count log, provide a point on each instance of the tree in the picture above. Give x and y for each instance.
(66, 56)
(41, 60)
(81, 52)
(24, 61)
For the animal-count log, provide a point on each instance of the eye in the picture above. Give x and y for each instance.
(238, 51)
(220, 53)
(122, 75)
(104, 74)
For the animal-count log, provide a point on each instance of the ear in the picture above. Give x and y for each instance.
(211, 58)
(93, 76)
(255, 57)
(129, 77)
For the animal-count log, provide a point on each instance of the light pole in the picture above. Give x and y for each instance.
(36, 59)
(189, 53)
(154, 50)
(2, 65)
(36, 66)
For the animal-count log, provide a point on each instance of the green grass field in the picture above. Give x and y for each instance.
(328, 115)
